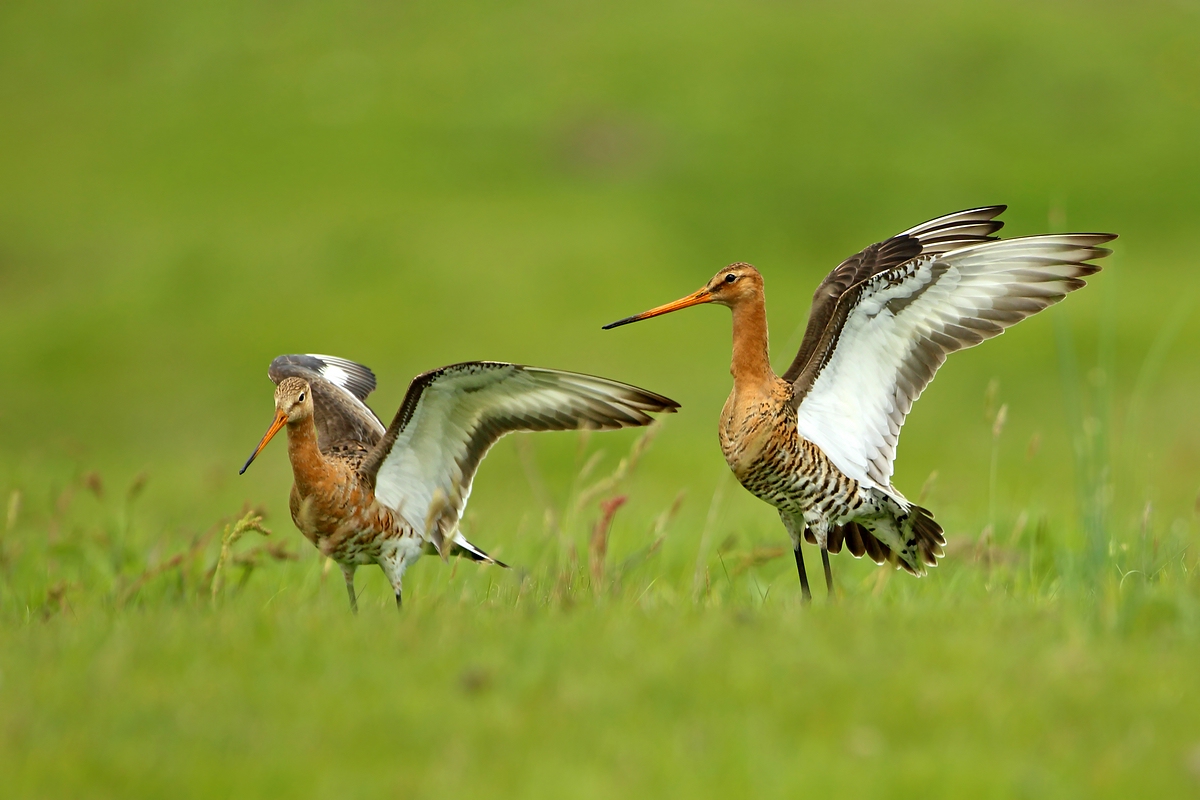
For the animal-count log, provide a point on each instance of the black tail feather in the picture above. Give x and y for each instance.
(931, 540)
(476, 555)
(466, 552)
(860, 541)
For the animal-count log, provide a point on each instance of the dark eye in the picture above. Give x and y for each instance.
(731, 277)
(300, 398)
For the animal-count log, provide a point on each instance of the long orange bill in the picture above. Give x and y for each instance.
(276, 425)
(693, 299)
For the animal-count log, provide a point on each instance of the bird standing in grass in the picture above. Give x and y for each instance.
(819, 441)
(366, 494)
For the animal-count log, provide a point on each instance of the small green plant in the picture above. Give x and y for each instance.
(250, 522)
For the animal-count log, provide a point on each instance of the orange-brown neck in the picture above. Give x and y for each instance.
(751, 366)
(308, 464)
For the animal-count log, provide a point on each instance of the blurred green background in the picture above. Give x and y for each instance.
(188, 191)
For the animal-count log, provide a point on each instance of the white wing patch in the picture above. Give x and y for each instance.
(904, 323)
(427, 473)
(347, 375)
(335, 374)
(343, 380)
(426, 455)
(844, 408)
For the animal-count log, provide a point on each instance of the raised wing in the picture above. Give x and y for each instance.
(939, 235)
(888, 334)
(450, 418)
(339, 388)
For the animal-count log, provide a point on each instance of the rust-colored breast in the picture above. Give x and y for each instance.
(753, 424)
(334, 509)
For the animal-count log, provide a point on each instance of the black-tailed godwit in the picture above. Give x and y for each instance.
(819, 441)
(366, 494)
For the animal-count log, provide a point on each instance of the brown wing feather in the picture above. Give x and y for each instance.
(935, 236)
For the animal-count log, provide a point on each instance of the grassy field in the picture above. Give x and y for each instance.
(187, 192)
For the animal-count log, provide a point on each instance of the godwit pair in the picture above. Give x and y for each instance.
(818, 443)
(366, 494)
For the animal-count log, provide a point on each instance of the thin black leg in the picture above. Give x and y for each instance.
(399, 604)
(828, 572)
(803, 575)
(349, 574)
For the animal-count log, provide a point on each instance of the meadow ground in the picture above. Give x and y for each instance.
(186, 193)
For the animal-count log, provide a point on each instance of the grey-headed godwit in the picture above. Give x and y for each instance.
(819, 441)
(366, 494)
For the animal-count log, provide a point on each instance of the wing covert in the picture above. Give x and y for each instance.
(938, 235)
(889, 333)
(424, 465)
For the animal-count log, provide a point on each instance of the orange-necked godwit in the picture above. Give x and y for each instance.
(818, 443)
(366, 494)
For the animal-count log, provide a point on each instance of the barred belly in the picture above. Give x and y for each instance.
(795, 476)
(340, 527)
(769, 458)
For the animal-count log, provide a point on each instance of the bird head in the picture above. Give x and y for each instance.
(728, 287)
(293, 403)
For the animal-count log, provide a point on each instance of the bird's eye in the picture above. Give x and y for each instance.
(300, 398)
(731, 277)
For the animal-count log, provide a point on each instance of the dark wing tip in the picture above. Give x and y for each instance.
(474, 553)
(654, 402)
(982, 212)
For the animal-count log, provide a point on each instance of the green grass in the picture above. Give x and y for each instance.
(298, 699)
(186, 193)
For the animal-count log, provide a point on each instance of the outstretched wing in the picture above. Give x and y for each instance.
(960, 229)
(888, 333)
(339, 388)
(450, 418)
